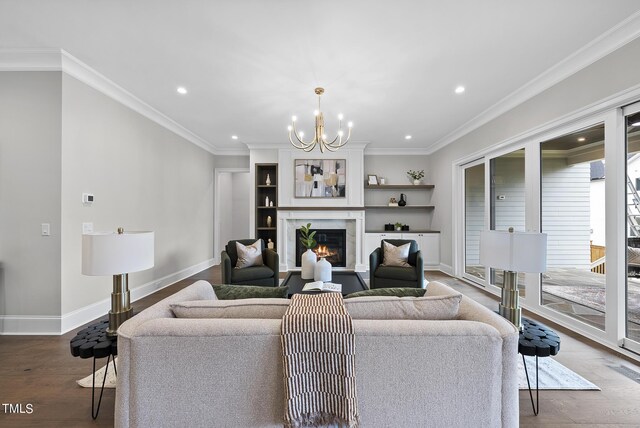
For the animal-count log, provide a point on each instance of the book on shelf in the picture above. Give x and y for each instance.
(322, 286)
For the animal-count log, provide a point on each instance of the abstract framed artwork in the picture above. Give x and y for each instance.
(320, 178)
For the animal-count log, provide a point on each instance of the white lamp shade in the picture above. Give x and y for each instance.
(514, 251)
(105, 253)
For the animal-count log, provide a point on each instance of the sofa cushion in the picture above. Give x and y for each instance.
(395, 256)
(251, 273)
(249, 255)
(412, 308)
(397, 292)
(396, 272)
(231, 292)
(245, 308)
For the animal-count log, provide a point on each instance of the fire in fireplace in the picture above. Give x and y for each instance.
(332, 245)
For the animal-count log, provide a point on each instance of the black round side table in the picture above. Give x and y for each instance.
(93, 341)
(536, 340)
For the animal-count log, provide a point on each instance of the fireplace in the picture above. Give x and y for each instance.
(332, 245)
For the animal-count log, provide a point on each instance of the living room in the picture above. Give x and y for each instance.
(164, 119)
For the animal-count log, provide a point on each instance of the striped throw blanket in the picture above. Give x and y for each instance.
(319, 362)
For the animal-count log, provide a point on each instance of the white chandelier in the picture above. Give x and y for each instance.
(320, 138)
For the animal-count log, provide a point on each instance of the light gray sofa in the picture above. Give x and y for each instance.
(228, 372)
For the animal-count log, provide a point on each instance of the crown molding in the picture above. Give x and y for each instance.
(396, 151)
(60, 60)
(610, 41)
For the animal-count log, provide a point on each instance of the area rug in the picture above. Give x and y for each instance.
(110, 382)
(551, 375)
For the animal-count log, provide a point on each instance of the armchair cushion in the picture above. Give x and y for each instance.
(396, 272)
(230, 292)
(250, 274)
(395, 255)
(249, 255)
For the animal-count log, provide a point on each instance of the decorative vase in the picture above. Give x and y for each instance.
(266, 201)
(270, 244)
(416, 182)
(403, 201)
(398, 228)
(268, 181)
(322, 271)
(268, 221)
(308, 264)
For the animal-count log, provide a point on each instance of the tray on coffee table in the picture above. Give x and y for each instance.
(351, 282)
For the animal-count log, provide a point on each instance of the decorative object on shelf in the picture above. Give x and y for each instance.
(388, 226)
(398, 226)
(322, 271)
(393, 202)
(403, 200)
(268, 181)
(268, 221)
(266, 201)
(513, 252)
(405, 227)
(320, 138)
(416, 176)
(270, 203)
(382, 181)
(372, 180)
(320, 178)
(309, 258)
(270, 244)
(117, 254)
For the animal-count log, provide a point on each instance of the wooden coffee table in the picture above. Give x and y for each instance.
(351, 282)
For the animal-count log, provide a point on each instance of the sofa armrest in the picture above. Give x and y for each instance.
(272, 260)
(420, 268)
(374, 261)
(225, 265)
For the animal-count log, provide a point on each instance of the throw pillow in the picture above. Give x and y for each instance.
(249, 255)
(231, 292)
(633, 256)
(396, 291)
(245, 308)
(409, 308)
(395, 256)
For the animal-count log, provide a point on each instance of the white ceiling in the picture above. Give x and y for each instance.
(390, 66)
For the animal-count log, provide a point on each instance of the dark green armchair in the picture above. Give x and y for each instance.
(396, 276)
(267, 275)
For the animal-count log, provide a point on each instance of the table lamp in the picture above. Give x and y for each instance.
(117, 254)
(513, 252)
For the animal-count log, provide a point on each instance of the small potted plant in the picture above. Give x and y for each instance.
(308, 258)
(416, 176)
(398, 226)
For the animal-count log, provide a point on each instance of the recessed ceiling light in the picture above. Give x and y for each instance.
(635, 124)
(181, 90)
(459, 89)
(407, 137)
(581, 139)
(234, 137)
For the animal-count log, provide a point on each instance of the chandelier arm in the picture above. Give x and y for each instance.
(303, 145)
(328, 147)
(340, 143)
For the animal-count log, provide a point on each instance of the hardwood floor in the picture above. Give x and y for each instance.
(40, 370)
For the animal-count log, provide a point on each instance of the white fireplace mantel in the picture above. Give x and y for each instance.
(352, 220)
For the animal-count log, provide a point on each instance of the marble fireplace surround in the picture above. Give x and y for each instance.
(350, 219)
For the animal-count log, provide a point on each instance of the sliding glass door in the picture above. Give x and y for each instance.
(632, 214)
(474, 219)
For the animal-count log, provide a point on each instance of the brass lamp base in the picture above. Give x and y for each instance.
(120, 304)
(509, 307)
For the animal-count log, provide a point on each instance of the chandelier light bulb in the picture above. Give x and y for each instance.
(301, 134)
(289, 128)
(350, 124)
(340, 116)
(324, 136)
(316, 112)
(341, 133)
(294, 118)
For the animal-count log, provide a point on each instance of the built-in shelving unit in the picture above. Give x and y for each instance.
(264, 211)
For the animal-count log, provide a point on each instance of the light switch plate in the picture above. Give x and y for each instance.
(87, 228)
(46, 229)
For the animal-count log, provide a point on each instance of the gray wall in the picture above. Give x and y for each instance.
(616, 72)
(143, 176)
(30, 188)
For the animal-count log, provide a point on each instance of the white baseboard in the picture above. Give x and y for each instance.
(89, 313)
(446, 269)
(29, 325)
